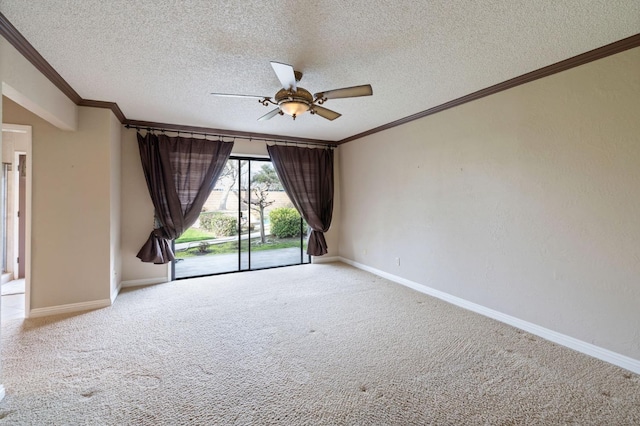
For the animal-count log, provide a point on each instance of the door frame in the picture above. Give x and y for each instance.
(27, 131)
(16, 222)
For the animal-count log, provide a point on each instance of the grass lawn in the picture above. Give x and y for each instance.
(232, 247)
(193, 234)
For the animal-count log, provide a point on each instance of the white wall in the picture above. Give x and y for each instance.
(25, 85)
(115, 161)
(526, 202)
(76, 171)
(72, 215)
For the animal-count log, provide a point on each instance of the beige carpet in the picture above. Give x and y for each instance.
(312, 345)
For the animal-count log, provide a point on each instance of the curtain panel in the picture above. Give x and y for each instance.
(180, 174)
(307, 177)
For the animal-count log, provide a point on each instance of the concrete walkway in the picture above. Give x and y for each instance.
(219, 263)
(220, 240)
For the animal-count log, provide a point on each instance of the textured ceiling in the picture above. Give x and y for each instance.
(159, 60)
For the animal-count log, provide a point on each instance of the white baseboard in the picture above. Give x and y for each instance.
(146, 281)
(115, 294)
(323, 259)
(606, 355)
(70, 308)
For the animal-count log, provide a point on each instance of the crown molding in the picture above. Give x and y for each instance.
(17, 40)
(584, 58)
(102, 104)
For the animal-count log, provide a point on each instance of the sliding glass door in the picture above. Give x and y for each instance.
(247, 223)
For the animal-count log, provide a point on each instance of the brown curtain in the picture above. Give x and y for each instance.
(180, 174)
(307, 177)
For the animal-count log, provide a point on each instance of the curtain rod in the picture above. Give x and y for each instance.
(221, 136)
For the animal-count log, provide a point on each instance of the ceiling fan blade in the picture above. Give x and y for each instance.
(269, 115)
(326, 113)
(347, 92)
(229, 95)
(286, 75)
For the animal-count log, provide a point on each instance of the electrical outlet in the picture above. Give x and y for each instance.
(397, 261)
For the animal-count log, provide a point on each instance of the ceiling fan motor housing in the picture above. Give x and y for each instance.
(294, 103)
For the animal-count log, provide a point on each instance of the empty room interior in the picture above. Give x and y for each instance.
(406, 213)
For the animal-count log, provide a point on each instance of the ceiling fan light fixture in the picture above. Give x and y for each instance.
(294, 103)
(294, 108)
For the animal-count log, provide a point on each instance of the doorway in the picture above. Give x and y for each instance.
(247, 223)
(15, 209)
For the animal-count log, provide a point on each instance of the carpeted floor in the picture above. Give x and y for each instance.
(313, 345)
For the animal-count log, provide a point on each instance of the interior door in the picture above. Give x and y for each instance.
(22, 208)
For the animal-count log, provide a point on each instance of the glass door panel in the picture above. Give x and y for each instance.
(305, 237)
(277, 238)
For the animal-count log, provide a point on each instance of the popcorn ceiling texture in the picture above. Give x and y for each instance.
(309, 345)
(159, 60)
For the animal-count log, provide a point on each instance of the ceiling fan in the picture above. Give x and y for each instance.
(294, 100)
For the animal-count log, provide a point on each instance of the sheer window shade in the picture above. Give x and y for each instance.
(180, 174)
(306, 175)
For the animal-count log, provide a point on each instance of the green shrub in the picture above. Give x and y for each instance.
(222, 225)
(203, 247)
(285, 222)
